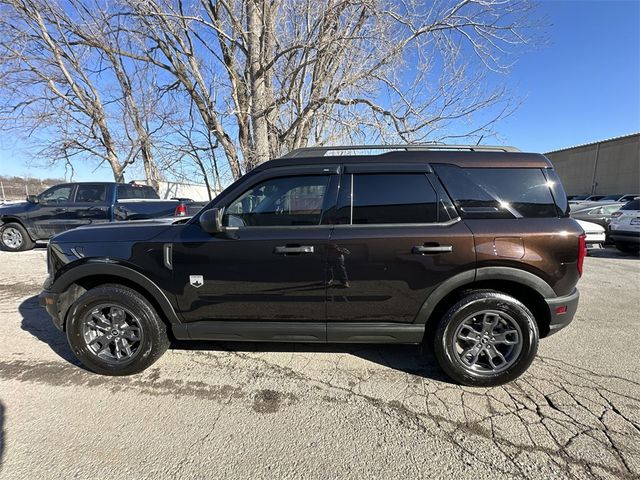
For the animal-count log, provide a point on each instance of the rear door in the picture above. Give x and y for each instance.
(91, 204)
(395, 240)
(269, 265)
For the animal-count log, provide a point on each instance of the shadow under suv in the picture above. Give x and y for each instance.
(468, 249)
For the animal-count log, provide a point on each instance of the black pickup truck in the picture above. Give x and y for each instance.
(70, 205)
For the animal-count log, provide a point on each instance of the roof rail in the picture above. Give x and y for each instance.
(322, 151)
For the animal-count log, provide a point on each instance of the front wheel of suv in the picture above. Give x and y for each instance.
(113, 330)
(486, 339)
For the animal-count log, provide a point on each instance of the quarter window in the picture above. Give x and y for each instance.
(501, 192)
(388, 198)
(284, 201)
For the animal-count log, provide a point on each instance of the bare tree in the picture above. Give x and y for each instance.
(268, 76)
(252, 79)
(88, 100)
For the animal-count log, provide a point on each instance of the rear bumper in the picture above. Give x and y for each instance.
(50, 301)
(624, 237)
(562, 310)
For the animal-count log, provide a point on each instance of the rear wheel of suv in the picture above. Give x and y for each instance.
(113, 330)
(14, 238)
(486, 339)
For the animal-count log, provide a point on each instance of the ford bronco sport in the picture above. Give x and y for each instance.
(468, 249)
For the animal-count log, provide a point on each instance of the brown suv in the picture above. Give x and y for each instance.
(469, 249)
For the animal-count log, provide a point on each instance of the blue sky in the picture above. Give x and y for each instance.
(582, 86)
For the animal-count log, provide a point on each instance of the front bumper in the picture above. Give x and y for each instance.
(51, 302)
(562, 310)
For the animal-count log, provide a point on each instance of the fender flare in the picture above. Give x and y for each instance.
(91, 269)
(515, 275)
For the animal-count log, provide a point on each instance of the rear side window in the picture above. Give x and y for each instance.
(501, 192)
(632, 205)
(91, 193)
(384, 198)
(133, 192)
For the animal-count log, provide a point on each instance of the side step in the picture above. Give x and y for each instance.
(303, 332)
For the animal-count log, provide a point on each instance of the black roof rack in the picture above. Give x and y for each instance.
(322, 151)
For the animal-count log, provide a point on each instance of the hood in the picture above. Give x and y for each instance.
(11, 208)
(133, 231)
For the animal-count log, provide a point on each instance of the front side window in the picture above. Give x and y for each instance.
(91, 193)
(61, 193)
(502, 192)
(283, 201)
(388, 198)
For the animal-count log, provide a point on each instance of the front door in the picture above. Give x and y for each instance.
(394, 242)
(53, 212)
(269, 264)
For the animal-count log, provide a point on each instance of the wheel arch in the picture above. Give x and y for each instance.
(522, 285)
(12, 219)
(73, 283)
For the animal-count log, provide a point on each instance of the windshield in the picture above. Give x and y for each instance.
(611, 197)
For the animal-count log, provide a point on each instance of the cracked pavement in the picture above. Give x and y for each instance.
(225, 410)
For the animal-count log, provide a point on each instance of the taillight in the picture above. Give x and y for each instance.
(181, 210)
(582, 252)
(616, 214)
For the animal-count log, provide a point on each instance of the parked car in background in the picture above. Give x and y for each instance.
(600, 214)
(595, 234)
(624, 229)
(629, 196)
(577, 198)
(601, 199)
(70, 205)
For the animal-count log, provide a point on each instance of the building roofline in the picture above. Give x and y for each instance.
(620, 137)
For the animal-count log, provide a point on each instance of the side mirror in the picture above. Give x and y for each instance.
(32, 199)
(211, 220)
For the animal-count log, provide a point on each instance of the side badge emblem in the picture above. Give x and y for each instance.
(196, 280)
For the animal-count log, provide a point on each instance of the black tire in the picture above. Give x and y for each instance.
(628, 247)
(153, 338)
(520, 353)
(15, 231)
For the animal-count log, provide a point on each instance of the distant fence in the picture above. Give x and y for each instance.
(16, 189)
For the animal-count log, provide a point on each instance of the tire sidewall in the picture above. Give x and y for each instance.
(444, 341)
(26, 240)
(145, 315)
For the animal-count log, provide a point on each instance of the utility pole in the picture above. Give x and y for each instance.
(594, 184)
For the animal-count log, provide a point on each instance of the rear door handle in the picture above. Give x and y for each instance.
(60, 210)
(284, 250)
(422, 249)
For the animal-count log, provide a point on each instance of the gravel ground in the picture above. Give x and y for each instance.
(296, 411)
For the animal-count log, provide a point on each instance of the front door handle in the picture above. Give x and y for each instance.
(422, 249)
(285, 250)
(60, 210)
